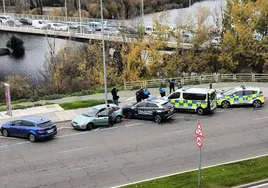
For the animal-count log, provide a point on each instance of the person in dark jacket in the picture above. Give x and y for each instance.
(115, 96)
(162, 91)
(139, 95)
(146, 94)
(110, 115)
(171, 85)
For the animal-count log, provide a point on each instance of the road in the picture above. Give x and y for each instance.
(132, 150)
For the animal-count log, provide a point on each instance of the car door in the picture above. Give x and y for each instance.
(174, 99)
(247, 96)
(14, 128)
(151, 109)
(140, 110)
(238, 97)
(25, 128)
(102, 117)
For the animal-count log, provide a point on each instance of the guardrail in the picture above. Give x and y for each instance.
(188, 80)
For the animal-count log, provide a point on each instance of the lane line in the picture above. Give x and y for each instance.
(71, 150)
(179, 117)
(19, 143)
(261, 185)
(97, 129)
(172, 174)
(238, 108)
(259, 118)
(130, 125)
(10, 138)
(219, 111)
(175, 132)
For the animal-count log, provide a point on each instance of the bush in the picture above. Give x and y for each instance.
(17, 46)
(81, 104)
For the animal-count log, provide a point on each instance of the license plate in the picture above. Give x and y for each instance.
(50, 131)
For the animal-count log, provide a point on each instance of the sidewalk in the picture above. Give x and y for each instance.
(57, 114)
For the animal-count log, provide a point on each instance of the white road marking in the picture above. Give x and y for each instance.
(97, 129)
(80, 168)
(220, 111)
(175, 132)
(19, 143)
(259, 118)
(65, 128)
(261, 185)
(179, 117)
(10, 138)
(168, 175)
(194, 115)
(78, 149)
(130, 125)
(238, 108)
(131, 98)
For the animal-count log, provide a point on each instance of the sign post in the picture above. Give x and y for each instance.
(8, 99)
(199, 142)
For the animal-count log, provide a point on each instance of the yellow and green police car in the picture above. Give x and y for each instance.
(241, 96)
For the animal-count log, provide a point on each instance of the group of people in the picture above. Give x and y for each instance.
(162, 89)
(142, 94)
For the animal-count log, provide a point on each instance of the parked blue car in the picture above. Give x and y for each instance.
(33, 127)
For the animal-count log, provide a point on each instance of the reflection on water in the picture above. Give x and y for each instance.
(36, 48)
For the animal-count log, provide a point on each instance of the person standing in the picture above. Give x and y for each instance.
(171, 85)
(179, 85)
(139, 95)
(110, 115)
(162, 91)
(146, 94)
(115, 96)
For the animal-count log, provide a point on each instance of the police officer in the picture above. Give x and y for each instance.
(162, 91)
(146, 94)
(115, 96)
(171, 85)
(139, 95)
(110, 115)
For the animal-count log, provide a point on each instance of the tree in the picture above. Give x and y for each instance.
(17, 46)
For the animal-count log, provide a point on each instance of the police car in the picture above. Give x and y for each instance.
(199, 100)
(151, 109)
(241, 96)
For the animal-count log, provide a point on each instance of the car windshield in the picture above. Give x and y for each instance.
(44, 124)
(91, 112)
(228, 92)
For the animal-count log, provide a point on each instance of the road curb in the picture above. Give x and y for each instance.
(252, 184)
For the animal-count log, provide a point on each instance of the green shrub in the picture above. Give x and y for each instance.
(81, 104)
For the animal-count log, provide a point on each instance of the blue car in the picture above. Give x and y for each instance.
(33, 127)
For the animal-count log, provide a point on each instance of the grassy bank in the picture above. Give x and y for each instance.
(80, 104)
(216, 177)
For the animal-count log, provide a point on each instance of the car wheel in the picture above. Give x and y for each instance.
(157, 118)
(200, 111)
(32, 138)
(257, 103)
(129, 115)
(225, 104)
(90, 126)
(5, 133)
(118, 119)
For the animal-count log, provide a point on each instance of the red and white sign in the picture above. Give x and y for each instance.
(199, 130)
(199, 141)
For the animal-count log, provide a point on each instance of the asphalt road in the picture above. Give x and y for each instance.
(133, 150)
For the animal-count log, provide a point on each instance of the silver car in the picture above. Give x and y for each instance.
(96, 116)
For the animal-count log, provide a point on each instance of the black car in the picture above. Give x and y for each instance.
(25, 21)
(151, 109)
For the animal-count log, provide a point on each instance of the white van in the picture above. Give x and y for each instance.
(39, 24)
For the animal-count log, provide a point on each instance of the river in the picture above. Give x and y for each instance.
(36, 47)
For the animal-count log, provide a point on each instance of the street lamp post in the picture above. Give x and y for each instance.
(80, 16)
(103, 56)
(4, 6)
(66, 10)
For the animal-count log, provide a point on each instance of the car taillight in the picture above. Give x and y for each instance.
(41, 131)
(165, 108)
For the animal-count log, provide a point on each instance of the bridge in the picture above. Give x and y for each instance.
(78, 35)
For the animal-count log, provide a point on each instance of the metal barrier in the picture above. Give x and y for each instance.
(188, 80)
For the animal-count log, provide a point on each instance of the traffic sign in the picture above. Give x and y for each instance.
(199, 141)
(199, 130)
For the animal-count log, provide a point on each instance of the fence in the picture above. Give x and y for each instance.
(187, 80)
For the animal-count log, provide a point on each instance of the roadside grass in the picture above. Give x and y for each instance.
(227, 175)
(80, 104)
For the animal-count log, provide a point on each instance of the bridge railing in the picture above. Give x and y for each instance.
(199, 79)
